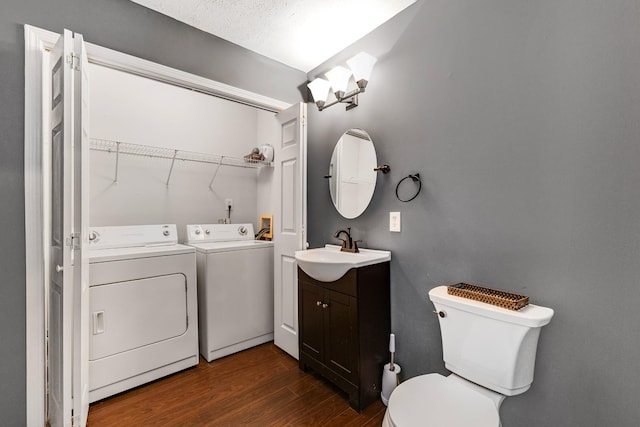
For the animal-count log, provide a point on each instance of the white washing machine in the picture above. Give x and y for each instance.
(143, 305)
(235, 288)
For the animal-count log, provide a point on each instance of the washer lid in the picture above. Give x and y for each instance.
(434, 400)
(213, 247)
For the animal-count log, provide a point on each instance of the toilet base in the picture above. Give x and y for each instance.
(386, 422)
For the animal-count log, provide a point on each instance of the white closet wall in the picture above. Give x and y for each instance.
(133, 109)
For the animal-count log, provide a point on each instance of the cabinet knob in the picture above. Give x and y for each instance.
(325, 305)
(318, 303)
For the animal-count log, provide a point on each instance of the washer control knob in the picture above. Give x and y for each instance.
(198, 231)
(242, 230)
(165, 233)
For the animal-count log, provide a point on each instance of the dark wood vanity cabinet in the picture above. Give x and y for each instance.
(344, 330)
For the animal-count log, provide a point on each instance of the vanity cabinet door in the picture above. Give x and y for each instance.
(340, 335)
(328, 329)
(312, 325)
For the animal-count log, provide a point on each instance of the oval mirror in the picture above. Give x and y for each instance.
(352, 178)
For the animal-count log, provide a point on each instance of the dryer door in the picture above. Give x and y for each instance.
(136, 313)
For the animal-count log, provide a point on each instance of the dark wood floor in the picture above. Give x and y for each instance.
(261, 386)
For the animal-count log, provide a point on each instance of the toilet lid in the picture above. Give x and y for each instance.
(433, 400)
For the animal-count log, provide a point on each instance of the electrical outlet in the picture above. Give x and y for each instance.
(394, 222)
(228, 203)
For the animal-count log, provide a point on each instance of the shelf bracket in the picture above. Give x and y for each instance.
(215, 173)
(115, 180)
(173, 160)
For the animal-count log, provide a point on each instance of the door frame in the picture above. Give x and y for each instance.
(37, 42)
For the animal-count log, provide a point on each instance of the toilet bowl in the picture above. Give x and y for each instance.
(439, 401)
(491, 353)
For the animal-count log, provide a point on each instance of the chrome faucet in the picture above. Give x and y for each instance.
(348, 244)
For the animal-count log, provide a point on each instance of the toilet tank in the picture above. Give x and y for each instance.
(489, 345)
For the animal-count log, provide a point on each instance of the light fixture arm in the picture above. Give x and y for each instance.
(350, 98)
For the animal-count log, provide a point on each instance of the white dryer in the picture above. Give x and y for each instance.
(235, 288)
(143, 305)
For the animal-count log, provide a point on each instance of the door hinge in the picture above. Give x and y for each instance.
(73, 60)
(73, 240)
(75, 419)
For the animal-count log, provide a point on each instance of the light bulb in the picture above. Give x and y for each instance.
(362, 65)
(339, 79)
(319, 89)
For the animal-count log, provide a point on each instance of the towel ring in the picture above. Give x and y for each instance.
(415, 178)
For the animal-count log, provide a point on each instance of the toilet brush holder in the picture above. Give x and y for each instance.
(390, 380)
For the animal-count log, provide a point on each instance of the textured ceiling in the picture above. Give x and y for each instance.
(299, 33)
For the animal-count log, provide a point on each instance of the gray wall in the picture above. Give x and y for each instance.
(126, 27)
(523, 120)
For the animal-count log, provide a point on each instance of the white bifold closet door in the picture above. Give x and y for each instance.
(290, 223)
(69, 273)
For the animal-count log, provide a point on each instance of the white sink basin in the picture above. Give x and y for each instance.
(329, 263)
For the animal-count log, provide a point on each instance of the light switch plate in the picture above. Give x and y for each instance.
(394, 222)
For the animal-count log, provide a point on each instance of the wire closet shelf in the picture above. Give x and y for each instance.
(127, 148)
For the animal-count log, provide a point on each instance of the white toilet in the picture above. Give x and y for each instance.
(491, 352)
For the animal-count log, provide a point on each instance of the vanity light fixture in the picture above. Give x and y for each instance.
(360, 66)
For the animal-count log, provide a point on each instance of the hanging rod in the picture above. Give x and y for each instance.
(172, 154)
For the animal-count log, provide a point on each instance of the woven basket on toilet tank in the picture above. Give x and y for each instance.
(502, 299)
